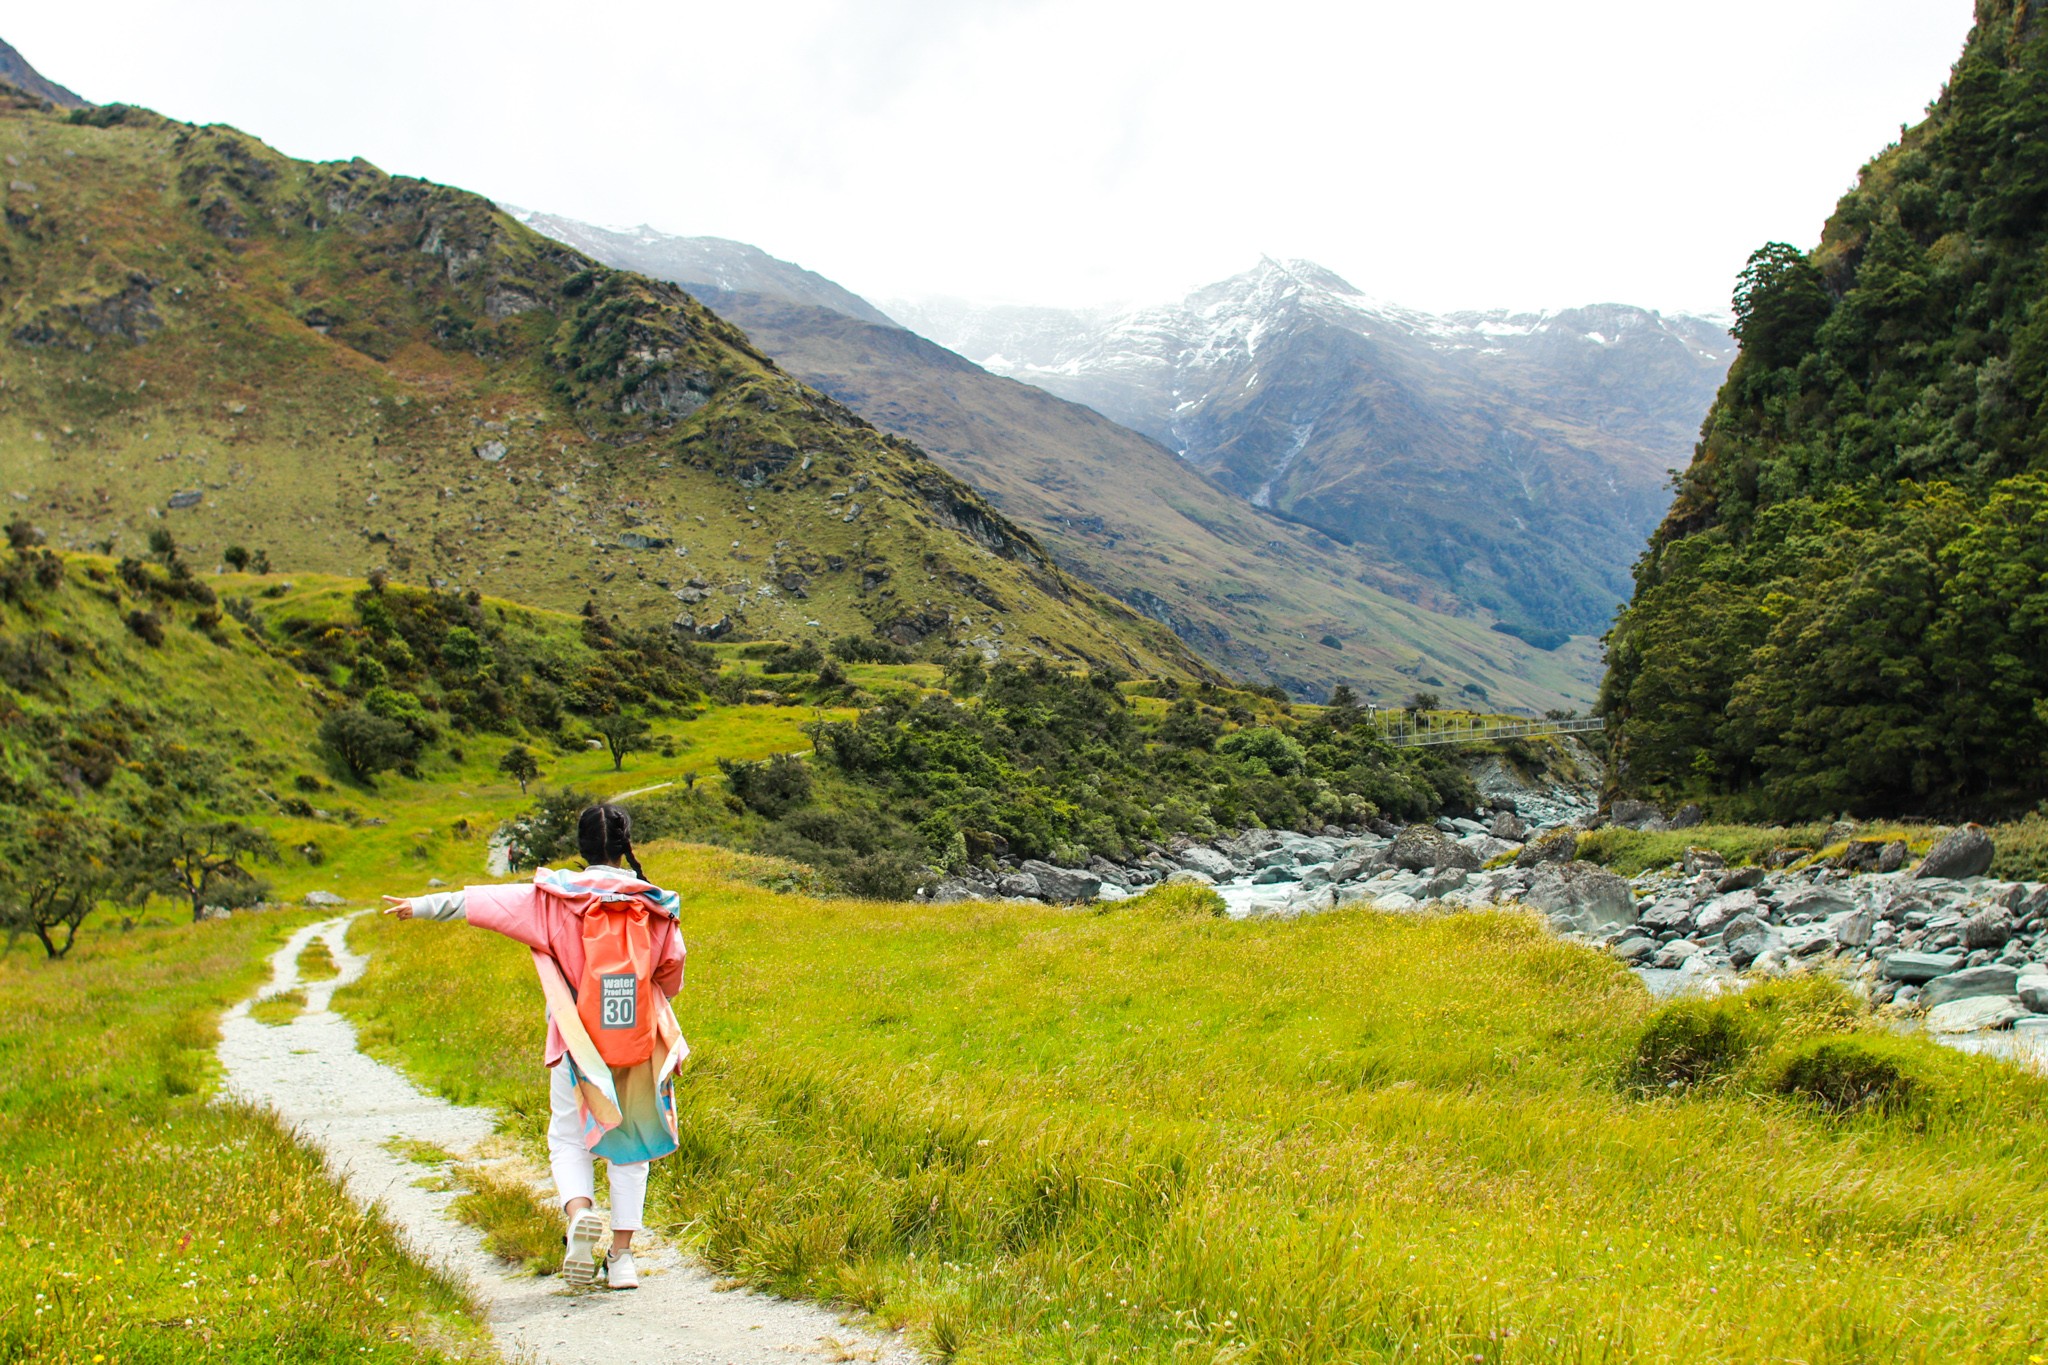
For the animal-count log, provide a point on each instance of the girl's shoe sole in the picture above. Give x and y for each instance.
(579, 1259)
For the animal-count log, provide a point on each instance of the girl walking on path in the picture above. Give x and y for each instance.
(610, 957)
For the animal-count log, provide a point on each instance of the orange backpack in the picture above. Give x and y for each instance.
(615, 998)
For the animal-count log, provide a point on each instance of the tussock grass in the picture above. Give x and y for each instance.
(316, 963)
(142, 1222)
(277, 1010)
(518, 1225)
(1146, 1133)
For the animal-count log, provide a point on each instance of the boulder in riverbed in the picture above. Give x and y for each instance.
(1552, 846)
(1418, 848)
(1964, 852)
(1990, 979)
(1065, 884)
(1974, 1014)
(1914, 967)
(1582, 896)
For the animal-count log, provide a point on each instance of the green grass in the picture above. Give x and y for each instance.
(142, 1222)
(316, 963)
(277, 1010)
(1147, 1133)
(518, 1225)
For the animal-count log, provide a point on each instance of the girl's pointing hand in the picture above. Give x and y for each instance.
(399, 906)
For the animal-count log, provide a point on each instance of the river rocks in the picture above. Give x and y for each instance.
(1635, 950)
(1636, 814)
(1510, 826)
(1975, 1014)
(1854, 929)
(1989, 979)
(1419, 847)
(1964, 852)
(2032, 989)
(1675, 953)
(1269, 876)
(1671, 913)
(1818, 902)
(1698, 860)
(1914, 967)
(1066, 884)
(1988, 928)
(1686, 816)
(1018, 884)
(1739, 879)
(1187, 876)
(1745, 948)
(1714, 916)
(1582, 895)
(1486, 848)
(1553, 846)
(1206, 861)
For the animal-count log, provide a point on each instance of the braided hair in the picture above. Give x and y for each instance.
(604, 834)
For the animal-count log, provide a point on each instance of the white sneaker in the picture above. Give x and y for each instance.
(620, 1272)
(579, 1258)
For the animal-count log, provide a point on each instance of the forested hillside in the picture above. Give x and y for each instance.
(1847, 607)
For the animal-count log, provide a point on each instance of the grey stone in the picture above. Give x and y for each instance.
(1444, 883)
(2030, 1023)
(1669, 913)
(1207, 861)
(1964, 852)
(1586, 897)
(1854, 929)
(1974, 1014)
(1637, 949)
(1675, 953)
(1019, 884)
(1892, 856)
(1882, 934)
(1687, 816)
(1698, 860)
(1273, 876)
(1350, 869)
(1715, 914)
(1510, 826)
(1551, 846)
(1742, 926)
(1418, 847)
(1066, 884)
(181, 501)
(953, 890)
(1988, 979)
(1634, 814)
(1739, 879)
(1744, 951)
(1988, 928)
(1486, 848)
(1187, 876)
(2032, 989)
(323, 898)
(1917, 967)
(1818, 901)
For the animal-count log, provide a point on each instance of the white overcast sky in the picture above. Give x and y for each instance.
(1523, 153)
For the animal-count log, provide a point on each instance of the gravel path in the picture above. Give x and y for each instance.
(350, 1107)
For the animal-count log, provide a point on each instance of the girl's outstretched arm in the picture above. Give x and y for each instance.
(440, 905)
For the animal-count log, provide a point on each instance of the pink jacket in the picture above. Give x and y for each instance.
(521, 913)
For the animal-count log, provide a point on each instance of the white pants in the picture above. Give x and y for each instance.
(575, 1167)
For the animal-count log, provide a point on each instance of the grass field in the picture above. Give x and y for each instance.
(142, 1222)
(1145, 1133)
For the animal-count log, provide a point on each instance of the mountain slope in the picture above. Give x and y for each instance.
(1515, 460)
(1252, 592)
(1847, 607)
(700, 263)
(351, 369)
(15, 71)
(1255, 594)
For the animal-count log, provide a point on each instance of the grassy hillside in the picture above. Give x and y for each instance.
(349, 370)
(1261, 597)
(142, 1221)
(1147, 1133)
(1847, 608)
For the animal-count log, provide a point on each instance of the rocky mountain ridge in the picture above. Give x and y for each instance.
(1515, 459)
(1253, 592)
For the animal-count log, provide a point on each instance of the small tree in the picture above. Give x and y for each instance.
(163, 546)
(22, 534)
(236, 557)
(367, 744)
(1425, 701)
(622, 734)
(53, 875)
(520, 765)
(193, 859)
(259, 562)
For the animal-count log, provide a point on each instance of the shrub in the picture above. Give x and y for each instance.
(1689, 1042)
(1847, 1073)
(368, 744)
(146, 626)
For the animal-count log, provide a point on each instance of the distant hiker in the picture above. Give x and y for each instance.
(610, 957)
(512, 857)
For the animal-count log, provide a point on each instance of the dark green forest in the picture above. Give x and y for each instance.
(1847, 607)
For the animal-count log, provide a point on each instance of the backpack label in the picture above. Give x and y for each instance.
(620, 1000)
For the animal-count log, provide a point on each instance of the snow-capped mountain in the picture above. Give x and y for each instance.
(1519, 459)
